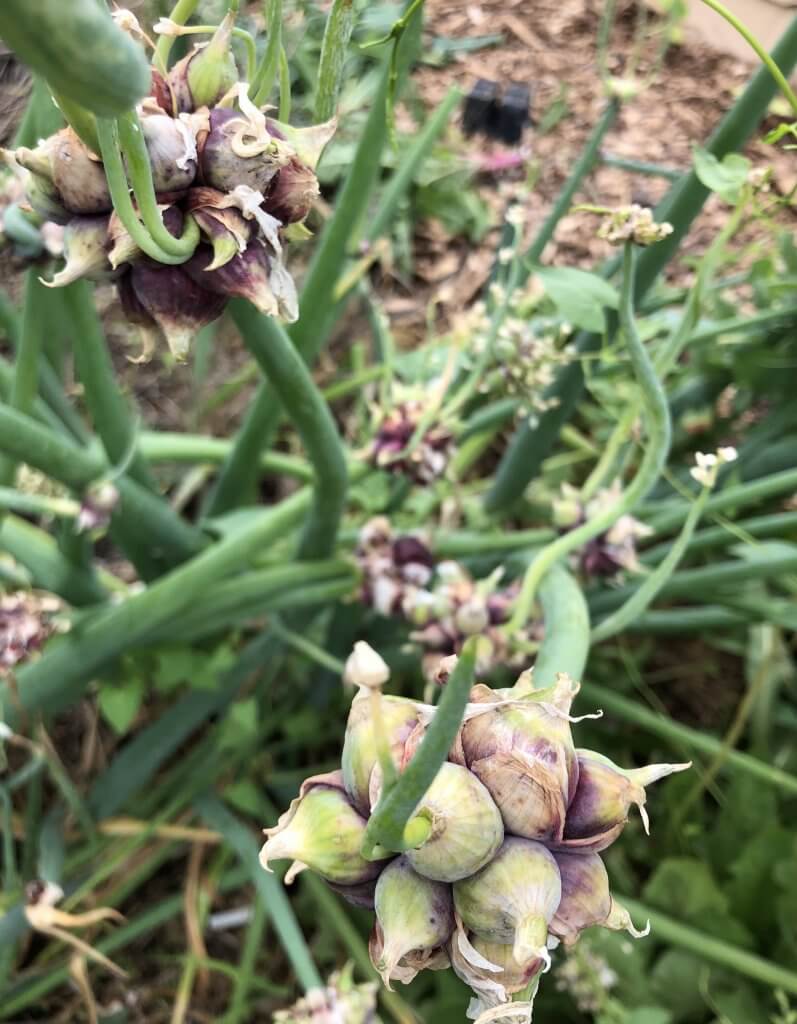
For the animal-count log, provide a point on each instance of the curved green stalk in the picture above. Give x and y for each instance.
(565, 642)
(775, 525)
(707, 947)
(136, 155)
(653, 459)
(25, 384)
(108, 135)
(239, 33)
(530, 447)
(652, 585)
(171, 446)
(179, 14)
(762, 54)
(288, 373)
(61, 675)
(109, 411)
(386, 826)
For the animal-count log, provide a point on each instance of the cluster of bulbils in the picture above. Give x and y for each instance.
(516, 820)
(247, 181)
(440, 600)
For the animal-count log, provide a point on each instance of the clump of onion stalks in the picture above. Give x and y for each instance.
(246, 180)
(440, 600)
(505, 858)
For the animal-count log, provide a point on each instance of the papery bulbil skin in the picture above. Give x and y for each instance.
(77, 175)
(323, 831)
(513, 898)
(172, 152)
(603, 798)
(292, 192)
(415, 915)
(524, 755)
(412, 963)
(85, 251)
(222, 168)
(466, 826)
(250, 275)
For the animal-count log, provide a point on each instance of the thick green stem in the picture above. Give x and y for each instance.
(26, 367)
(738, 961)
(61, 675)
(334, 49)
(653, 584)
(298, 395)
(109, 410)
(395, 808)
(170, 446)
(108, 135)
(657, 416)
(565, 644)
(139, 169)
(147, 528)
(690, 739)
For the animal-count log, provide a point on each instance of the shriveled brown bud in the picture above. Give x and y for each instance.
(321, 830)
(292, 192)
(603, 798)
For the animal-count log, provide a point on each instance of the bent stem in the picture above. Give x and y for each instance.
(134, 149)
(108, 136)
(387, 825)
(180, 14)
(301, 399)
(653, 460)
(766, 59)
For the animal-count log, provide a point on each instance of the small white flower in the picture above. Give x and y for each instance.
(506, 255)
(167, 27)
(728, 454)
(516, 215)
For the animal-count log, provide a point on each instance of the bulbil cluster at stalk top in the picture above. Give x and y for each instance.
(508, 863)
(246, 181)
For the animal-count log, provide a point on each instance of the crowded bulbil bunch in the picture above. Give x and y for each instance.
(218, 188)
(503, 851)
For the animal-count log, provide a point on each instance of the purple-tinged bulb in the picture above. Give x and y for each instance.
(603, 798)
(292, 192)
(524, 754)
(586, 900)
(170, 300)
(321, 830)
(257, 274)
(235, 151)
(513, 899)
(415, 915)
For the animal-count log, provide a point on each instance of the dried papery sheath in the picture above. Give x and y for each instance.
(339, 1002)
(603, 798)
(237, 151)
(223, 226)
(465, 825)
(415, 916)
(586, 899)
(412, 963)
(292, 192)
(523, 752)
(513, 898)
(85, 251)
(172, 151)
(77, 176)
(323, 831)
